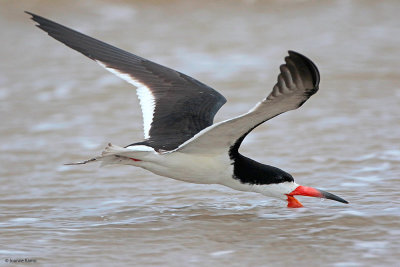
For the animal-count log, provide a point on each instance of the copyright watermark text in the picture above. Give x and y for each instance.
(20, 260)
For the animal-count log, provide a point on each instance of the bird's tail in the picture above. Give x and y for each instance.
(113, 154)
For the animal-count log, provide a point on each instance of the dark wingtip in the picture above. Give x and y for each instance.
(30, 13)
(34, 17)
(38, 19)
(310, 65)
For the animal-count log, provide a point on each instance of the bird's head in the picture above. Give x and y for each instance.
(274, 182)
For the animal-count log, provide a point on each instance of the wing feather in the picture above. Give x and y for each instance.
(298, 80)
(175, 106)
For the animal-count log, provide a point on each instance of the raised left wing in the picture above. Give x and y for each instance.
(175, 106)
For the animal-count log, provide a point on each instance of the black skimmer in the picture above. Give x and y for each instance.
(180, 139)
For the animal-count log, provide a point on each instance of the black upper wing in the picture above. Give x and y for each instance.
(175, 106)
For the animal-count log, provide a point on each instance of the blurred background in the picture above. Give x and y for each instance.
(58, 106)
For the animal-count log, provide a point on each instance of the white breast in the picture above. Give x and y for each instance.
(200, 169)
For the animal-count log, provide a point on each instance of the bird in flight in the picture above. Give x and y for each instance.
(180, 139)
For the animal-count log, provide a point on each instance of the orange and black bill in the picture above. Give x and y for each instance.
(309, 192)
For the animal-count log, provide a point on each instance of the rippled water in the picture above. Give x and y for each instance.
(58, 107)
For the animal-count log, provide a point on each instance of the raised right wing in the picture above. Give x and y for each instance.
(298, 80)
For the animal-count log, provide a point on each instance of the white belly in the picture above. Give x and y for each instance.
(198, 168)
(201, 169)
(192, 168)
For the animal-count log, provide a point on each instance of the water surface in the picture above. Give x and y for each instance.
(57, 106)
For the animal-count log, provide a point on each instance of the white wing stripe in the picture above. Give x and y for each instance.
(147, 103)
(146, 98)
